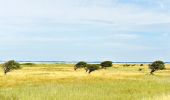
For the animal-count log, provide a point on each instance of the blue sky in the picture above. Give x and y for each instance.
(90, 30)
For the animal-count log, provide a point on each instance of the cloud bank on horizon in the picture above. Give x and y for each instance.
(118, 30)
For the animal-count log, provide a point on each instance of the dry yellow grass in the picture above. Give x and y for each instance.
(43, 73)
(121, 80)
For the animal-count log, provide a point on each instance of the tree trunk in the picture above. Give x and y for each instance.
(153, 70)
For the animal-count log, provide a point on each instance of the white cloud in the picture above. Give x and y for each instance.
(72, 11)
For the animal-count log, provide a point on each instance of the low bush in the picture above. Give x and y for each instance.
(28, 64)
(140, 69)
(141, 64)
(126, 65)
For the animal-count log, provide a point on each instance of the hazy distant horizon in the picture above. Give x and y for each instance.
(90, 62)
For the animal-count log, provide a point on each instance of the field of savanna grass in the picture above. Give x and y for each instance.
(61, 82)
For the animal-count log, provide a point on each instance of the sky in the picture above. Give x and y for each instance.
(85, 30)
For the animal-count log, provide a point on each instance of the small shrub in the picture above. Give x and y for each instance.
(157, 65)
(133, 65)
(92, 67)
(140, 69)
(106, 64)
(28, 64)
(126, 65)
(141, 64)
(10, 65)
(80, 64)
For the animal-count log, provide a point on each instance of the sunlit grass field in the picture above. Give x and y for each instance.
(61, 82)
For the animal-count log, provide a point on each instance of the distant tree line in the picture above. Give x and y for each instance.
(155, 66)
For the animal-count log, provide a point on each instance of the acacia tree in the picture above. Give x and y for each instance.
(91, 67)
(10, 65)
(80, 64)
(106, 64)
(157, 65)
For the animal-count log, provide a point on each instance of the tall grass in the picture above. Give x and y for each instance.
(61, 82)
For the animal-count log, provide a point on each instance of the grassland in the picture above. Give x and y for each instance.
(61, 82)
